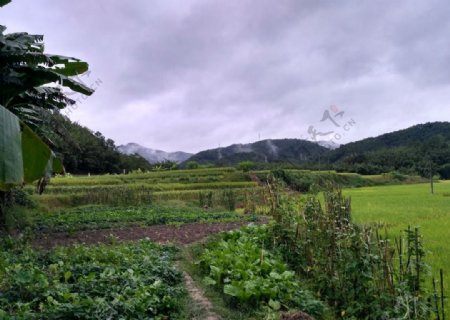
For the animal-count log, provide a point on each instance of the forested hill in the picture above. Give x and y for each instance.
(409, 150)
(415, 150)
(409, 137)
(85, 151)
(276, 150)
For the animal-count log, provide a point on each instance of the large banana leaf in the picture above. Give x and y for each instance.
(11, 164)
(24, 157)
(36, 155)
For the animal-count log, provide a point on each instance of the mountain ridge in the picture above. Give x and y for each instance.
(298, 151)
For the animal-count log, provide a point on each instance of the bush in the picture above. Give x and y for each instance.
(192, 165)
(246, 166)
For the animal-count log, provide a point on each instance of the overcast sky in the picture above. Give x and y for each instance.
(191, 75)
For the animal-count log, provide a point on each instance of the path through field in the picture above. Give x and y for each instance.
(199, 298)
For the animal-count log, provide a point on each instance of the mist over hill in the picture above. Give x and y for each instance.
(153, 155)
(271, 150)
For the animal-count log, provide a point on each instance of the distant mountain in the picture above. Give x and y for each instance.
(152, 155)
(408, 150)
(276, 150)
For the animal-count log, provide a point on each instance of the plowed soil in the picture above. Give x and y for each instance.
(183, 234)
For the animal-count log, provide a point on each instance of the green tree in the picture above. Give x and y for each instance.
(192, 165)
(246, 166)
(433, 151)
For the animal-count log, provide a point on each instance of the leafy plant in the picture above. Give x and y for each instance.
(25, 78)
(192, 165)
(246, 166)
(132, 281)
(101, 217)
(249, 275)
(350, 266)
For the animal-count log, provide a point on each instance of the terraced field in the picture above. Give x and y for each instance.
(86, 231)
(172, 206)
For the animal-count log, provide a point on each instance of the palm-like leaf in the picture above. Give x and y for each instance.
(27, 81)
(25, 67)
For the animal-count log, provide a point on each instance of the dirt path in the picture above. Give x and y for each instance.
(199, 299)
(183, 234)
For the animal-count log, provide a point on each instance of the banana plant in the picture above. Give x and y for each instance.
(30, 82)
(24, 156)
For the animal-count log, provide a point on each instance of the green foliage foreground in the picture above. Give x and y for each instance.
(129, 281)
(252, 277)
(358, 271)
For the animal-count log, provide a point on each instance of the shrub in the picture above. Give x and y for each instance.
(192, 165)
(246, 166)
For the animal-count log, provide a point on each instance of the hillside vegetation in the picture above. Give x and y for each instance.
(422, 149)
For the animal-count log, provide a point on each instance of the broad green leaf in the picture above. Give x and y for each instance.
(275, 275)
(11, 165)
(233, 291)
(72, 68)
(76, 86)
(67, 275)
(275, 305)
(36, 155)
(209, 281)
(58, 166)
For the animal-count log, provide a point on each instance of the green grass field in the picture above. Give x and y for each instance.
(414, 205)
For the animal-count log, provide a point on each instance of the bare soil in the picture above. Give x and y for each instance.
(182, 234)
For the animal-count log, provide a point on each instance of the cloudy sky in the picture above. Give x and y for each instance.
(190, 75)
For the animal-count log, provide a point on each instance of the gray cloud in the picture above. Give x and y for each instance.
(190, 75)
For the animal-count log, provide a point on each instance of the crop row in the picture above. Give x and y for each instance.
(175, 175)
(99, 217)
(150, 187)
(141, 196)
(248, 275)
(129, 281)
